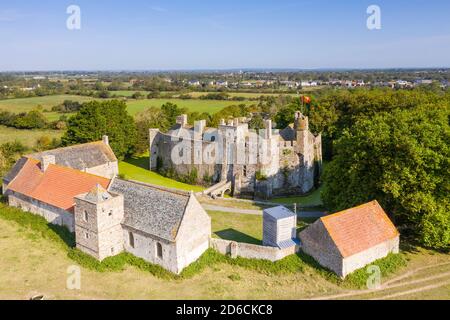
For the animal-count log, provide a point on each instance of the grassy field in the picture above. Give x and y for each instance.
(27, 137)
(134, 106)
(35, 262)
(311, 200)
(137, 169)
(27, 104)
(193, 105)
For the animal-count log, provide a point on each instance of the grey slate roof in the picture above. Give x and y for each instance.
(287, 134)
(80, 156)
(15, 170)
(150, 209)
(279, 212)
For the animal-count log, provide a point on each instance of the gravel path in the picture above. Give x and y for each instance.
(302, 214)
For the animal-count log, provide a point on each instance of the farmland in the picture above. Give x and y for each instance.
(26, 104)
(27, 137)
(193, 105)
(134, 106)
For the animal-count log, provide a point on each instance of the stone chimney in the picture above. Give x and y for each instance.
(222, 122)
(46, 161)
(236, 122)
(199, 127)
(182, 120)
(105, 140)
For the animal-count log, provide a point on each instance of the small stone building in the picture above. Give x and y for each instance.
(351, 239)
(279, 227)
(109, 215)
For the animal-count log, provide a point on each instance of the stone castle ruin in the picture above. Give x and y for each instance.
(277, 163)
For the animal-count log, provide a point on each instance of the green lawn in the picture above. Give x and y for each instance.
(311, 200)
(137, 169)
(236, 226)
(243, 227)
(193, 105)
(27, 137)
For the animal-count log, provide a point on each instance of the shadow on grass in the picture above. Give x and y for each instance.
(64, 233)
(235, 235)
(139, 161)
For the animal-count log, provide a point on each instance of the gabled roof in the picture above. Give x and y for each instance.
(56, 186)
(81, 156)
(360, 228)
(150, 209)
(15, 170)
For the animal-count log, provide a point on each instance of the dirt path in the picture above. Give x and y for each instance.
(301, 214)
(404, 293)
(391, 284)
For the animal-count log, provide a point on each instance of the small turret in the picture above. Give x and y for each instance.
(301, 122)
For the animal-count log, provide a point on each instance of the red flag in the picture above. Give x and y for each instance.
(306, 99)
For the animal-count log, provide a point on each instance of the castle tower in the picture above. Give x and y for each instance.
(98, 218)
(301, 127)
(154, 138)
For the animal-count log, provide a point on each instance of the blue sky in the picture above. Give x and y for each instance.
(209, 34)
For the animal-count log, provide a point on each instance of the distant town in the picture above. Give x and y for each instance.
(18, 84)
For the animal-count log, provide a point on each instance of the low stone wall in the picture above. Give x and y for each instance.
(251, 251)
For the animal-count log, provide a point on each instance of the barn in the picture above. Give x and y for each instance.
(351, 239)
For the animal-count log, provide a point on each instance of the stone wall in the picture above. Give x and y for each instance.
(108, 170)
(193, 234)
(145, 247)
(316, 242)
(251, 251)
(366, 257)
(50, 213)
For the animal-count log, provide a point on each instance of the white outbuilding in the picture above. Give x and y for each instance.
(279, 227)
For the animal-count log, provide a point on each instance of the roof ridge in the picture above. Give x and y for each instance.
(339, 213)
(153, 186)
(71, 169)
(66, 147)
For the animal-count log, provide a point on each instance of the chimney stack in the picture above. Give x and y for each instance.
(46, 161)
(105, 140)
(182, 120)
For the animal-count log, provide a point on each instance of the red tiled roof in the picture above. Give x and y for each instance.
(56, 186)
(360, 228)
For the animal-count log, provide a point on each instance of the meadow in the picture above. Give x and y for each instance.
(27, 137)
(193, 105)
(134, 106)
(26, 104)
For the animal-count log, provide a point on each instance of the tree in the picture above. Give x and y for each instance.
(256, 122)
(401, 158)
(96, 119)
(9, 154)
(172, 111)
(149, 118)
(32, 120)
